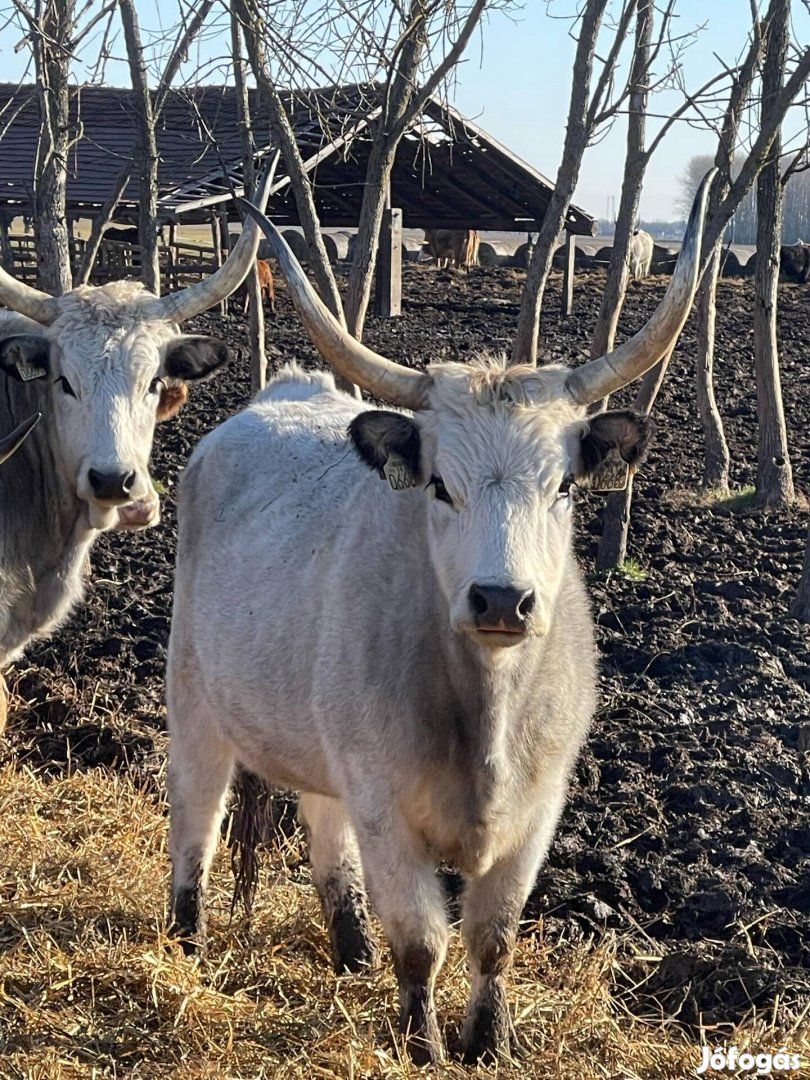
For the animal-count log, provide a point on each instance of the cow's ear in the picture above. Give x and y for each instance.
(613, 441)
(389, 443)
(173, 397)
(25, 357)
(193, 357)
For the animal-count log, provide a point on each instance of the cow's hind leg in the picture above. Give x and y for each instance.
(492, 907)
(407, 897)
(200, 768)
(338, 877)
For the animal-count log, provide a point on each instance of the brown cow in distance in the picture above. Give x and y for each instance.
(267, 288)
(453, 247)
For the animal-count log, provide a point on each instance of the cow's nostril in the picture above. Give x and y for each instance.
(478, 600)
(111, 485)
(526, 605)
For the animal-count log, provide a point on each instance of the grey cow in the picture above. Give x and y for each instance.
(415, 656)
(102, 365)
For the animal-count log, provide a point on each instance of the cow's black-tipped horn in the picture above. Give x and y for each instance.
(10, 443)
(197, 298)
(348, 356)
(608, 373)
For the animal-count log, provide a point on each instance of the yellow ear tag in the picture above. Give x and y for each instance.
(397, 473)
(612, 474)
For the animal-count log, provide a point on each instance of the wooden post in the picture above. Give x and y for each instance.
(224, 245)
(388, 295)
(568, 274)
(5, 245)
(214, 218)
(175, 278)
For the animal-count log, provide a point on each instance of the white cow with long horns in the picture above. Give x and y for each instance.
(102, 365)
(416, 657)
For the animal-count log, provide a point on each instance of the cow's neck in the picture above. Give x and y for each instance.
(490, 687)
(44, 525)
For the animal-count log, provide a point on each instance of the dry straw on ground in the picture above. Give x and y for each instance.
(90, 987)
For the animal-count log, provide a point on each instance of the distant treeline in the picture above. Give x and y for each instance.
(743, 226)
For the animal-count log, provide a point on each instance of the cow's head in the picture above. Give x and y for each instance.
(492, 450)
(494, 458)
(115, 363)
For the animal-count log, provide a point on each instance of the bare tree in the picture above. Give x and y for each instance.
(146, 154)
(258, 358)
(402, 102)
(635, 165)
(54, 34)
(148, 111)
(404, 51)
(729, 191)
(774, 474)
(254, 28)
(726, 197)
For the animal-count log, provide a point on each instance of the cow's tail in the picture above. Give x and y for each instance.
(250, 824)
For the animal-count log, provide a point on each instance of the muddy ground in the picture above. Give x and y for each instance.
(688, 817)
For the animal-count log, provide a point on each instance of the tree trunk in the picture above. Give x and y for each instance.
(801, 605)
(717, 459)
(524, 350)
(616, 517)
(774, 473)
(635, 165)
(361, 276)
(52, 63)
(146, 155)
(258, 356)
(388, 132)
(252, 23)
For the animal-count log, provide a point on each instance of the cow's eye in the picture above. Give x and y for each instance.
(440, 491)
(66, 386)
(155, 385)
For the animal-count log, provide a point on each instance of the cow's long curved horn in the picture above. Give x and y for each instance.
(606, 374)
(349, 357)
(10, 443)
(26, 300)
(196, 298)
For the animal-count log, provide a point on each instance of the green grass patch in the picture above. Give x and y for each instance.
(743, 498)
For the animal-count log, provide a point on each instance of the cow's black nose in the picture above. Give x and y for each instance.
(111, 485)
(498, 607)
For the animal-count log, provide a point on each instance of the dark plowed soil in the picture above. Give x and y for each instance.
(688, 816)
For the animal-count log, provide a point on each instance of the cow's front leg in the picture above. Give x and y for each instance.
(492, 907)
(3, 704)
(407, 897)
(338, 877)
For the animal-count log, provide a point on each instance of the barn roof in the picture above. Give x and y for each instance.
(448, 171)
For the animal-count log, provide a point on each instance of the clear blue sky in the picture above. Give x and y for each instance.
(515, 81)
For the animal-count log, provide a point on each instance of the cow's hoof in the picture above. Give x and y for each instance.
(353, 947)
(425, 1051)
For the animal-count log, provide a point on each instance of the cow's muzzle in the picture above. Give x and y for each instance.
(114, 488)
(499, 609)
